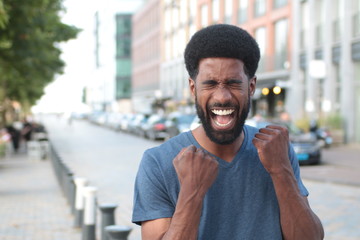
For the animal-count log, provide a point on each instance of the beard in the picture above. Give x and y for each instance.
(227, 136)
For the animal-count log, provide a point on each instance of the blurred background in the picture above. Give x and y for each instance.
(126, 57)
(73, 68)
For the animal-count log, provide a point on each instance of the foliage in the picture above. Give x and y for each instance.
(332, 121)
(29, 55)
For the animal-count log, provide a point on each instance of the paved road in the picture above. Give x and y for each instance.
(110, 160)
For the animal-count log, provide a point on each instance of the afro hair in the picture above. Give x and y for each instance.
(222, 40)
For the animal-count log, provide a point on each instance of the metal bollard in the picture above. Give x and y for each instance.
(72, 192)
(80, 183)
(116, 232)
(88, 228)
(107, 218)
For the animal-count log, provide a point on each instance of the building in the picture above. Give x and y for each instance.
(310, 51)
(268, 21)
(326, 62)
(109, 85)
(146, 56)
(123, 62)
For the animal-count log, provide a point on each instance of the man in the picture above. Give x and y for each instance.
(224, 180)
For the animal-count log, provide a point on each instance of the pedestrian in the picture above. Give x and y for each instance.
(224, 179)
(15, 136)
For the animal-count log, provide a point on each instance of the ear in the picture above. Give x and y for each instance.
(192, 86)
(252, 85)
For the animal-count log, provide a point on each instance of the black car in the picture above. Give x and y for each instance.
(306, 145)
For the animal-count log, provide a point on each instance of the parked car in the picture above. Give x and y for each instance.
(306, 146)
(177, 123)
(154, 128)
(135, 124)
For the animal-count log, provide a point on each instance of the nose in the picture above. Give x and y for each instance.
(222, 95)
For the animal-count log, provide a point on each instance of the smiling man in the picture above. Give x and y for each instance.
(223, 180)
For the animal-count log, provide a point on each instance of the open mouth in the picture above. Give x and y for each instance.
(223, 118)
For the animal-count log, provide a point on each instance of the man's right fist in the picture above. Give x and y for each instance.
(196, 169)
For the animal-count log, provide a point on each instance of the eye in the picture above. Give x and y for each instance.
(236, 84)
(209, 84)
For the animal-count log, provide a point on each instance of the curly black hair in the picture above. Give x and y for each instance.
(222, 40)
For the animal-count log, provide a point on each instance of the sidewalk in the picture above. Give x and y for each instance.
(31, 203)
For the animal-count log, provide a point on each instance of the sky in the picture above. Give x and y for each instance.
(64, 94)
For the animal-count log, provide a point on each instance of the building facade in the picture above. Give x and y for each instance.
(269, 21)
(108, 87)
(146, 55)
(310, 51)
(326, 62)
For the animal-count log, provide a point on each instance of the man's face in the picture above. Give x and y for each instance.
(222, 97)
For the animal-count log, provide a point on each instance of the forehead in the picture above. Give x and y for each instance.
(223, 66)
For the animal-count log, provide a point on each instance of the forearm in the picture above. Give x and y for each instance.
(298, 221)
(185, 221)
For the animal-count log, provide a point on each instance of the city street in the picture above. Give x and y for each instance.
(109, 160)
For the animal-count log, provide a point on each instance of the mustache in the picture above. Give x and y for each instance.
(222, 105)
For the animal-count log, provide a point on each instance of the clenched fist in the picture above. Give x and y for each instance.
(272, 144)
(196, 169)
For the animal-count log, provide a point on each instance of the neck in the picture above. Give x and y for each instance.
(225, 152)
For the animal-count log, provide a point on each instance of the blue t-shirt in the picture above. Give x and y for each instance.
(241, 204)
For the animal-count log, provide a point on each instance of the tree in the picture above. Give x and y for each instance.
(29, 54)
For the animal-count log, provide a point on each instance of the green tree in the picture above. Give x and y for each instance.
(30, 32)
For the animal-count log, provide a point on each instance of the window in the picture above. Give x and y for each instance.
(228, 11)
(260, 36)
(193, 6)
(183, 11)
(204, 15)
(242, 14)
(215, 10)
(260, 7)
(281, 42)
(279, 3)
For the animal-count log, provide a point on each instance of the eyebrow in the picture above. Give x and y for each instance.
(229, 81)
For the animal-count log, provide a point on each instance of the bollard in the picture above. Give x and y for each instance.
(88, 232)
(72, 192)
(80, 183)
(116, 232)
(68, 187)
(107, 218)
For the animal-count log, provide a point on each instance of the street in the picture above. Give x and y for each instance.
(109, 160)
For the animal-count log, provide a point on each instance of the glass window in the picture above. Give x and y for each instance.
(193, 7)
(167, 21)
(279, 3)
(260, 7)
(183, 11)
(123, 67)
(281, 42)
(123, 47)
(204, 15)
(228, 11)
(242, 14)
(260, 36)
(215, 10)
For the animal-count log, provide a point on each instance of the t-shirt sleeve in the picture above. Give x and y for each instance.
(296, 168)
(151, 200)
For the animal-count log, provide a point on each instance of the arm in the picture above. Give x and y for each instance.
(196, 171)
(297, 219)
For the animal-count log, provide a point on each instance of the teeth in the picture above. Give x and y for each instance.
(223, 125)
(222, 112)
